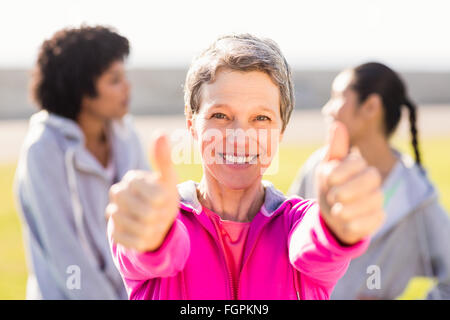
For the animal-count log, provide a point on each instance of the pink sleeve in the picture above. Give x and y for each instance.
(169, 259)
(314, 251)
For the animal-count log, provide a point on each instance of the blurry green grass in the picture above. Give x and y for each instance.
(436, 157)
(12, 259)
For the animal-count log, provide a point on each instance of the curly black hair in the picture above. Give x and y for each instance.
(69, 64)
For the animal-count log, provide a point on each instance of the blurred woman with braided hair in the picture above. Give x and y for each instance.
(414, 239)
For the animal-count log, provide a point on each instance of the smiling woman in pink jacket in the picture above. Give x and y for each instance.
(233, 235)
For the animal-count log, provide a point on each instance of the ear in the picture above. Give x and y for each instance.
(372, 107)
(281, 136)
(190, 122)
(85, 101)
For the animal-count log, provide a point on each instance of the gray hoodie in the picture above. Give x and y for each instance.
(413, 241)
(62, 192)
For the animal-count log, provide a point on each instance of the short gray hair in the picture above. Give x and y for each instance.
(241, 52)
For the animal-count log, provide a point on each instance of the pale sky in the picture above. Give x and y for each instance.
(407, 34)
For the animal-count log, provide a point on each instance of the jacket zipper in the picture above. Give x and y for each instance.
(227, 269)
(230, 277)
(249, 255)
(245, 261)
(296, 283)
(235, 292)
(230, 280)
(238, 283)
(183, 287)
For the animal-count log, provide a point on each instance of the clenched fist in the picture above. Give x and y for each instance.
(350, 195)
(144, 205)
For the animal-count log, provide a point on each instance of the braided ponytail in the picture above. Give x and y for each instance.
(375, 77)
(413, 127)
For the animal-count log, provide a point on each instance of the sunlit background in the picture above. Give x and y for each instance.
(318, 37)
(321, 34)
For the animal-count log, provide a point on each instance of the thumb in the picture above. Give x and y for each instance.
(161, 157)
(338, 145)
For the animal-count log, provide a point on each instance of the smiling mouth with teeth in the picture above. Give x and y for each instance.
(232, 159)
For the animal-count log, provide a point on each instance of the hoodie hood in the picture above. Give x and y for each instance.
(71, 130)
(272, 201)
(72, 140)
(66, 127)
(406, 189)
(274, 204)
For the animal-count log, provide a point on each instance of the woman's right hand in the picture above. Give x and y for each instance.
(350, 191)
(144, 205)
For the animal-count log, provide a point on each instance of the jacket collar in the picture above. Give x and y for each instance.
(65, 126)
(72, 137)
(272, 201)
(189, 202)
(273, 206)
(406, 189)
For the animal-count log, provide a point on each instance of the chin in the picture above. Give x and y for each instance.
(119, 115)
(237, 181)
(236, 185)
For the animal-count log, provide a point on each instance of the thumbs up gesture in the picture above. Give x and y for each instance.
(350, 196)
(144, 205)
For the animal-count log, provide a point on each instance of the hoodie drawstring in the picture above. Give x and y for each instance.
(76, 203)
(296, 284)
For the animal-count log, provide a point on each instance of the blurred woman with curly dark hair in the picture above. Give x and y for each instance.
(80, 143)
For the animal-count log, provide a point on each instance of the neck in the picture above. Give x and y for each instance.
(236, 205)
(94, 128)
(377, 152)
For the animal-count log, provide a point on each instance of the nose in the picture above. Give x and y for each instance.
(238, 132)
(127, 85)
(238, 136)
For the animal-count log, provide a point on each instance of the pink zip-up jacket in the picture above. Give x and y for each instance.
(289, 254)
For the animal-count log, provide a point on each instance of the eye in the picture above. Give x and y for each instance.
(262, 118)
(219, 115)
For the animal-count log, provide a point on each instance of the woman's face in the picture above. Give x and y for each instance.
(113, 93)
(238, 126)
(343, 105)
